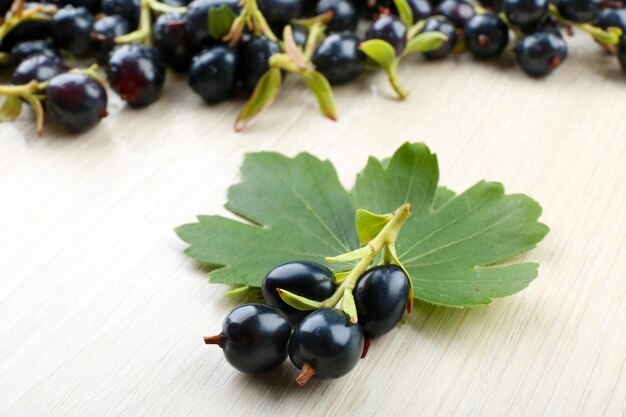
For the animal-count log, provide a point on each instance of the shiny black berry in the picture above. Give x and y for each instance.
(71, 29)
(92, 5)
(76, 101)
(339, 58)
(213, 74)
(169, 34)
(390, 29)
(254, 53)
(28, 31)
(345, 14)
(307, 279)
(421, 9)
(105, 30)
(445, 26)
(486, 35)
(280, 11)
(612, 18)
(325, 345)
(579, 11)
(526, 13)
(381, 296)
(198, 19)
(458, 11)
(128, 9)
(37, 67)
(254, 338)
(492, 5)
(136, 73)
(24, 50)
(541, 52)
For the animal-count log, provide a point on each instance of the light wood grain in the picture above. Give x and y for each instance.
(102, 315)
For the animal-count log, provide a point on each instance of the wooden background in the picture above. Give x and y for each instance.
(102, 315)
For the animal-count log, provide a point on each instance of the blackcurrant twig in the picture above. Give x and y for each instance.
(143, 34)
(252, 18)
(366, 255)
(19, 14)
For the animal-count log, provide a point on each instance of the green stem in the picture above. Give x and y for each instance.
(159, 7)
(388, 235)
(143, 34)
(606, 37)
(21, 15)
(395, 83)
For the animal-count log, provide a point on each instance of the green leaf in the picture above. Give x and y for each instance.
(220, 21)
(298, 301)
(405, 12)
(452, 246)
(380, 52)
(426, 42)
(262, 97)
(11, 109)
(320, 86)
(297, 210)
(369, 224)
(384, 55)
(449, 248)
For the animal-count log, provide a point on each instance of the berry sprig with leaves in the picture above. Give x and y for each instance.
(396, 225)
(226, 46)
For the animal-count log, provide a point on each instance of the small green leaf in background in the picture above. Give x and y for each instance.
(220, 21)
(380, 52)
(426, 42)
(320, 86)
(11, 109)
(453, 245)
(405, 12)
(263, 96)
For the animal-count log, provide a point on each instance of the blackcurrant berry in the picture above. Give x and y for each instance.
(213, 73)
(105, 30)
(71, 29)
(170, 38)
(445, 26)
(458, 11)
(128, 9)
(300, 34)
(37, 67)
(28, 31)
(612, 18)
(280, 11)
(421, 9)
(76, 101)
(326, 345)
(339, 58)
(526, 13)
(492, 5)
(381, 296)
(307, 279)
(579, 11)
(254, 338)
(24, 50)
(136, 73)
(391, 30)
(92, 5)
(486, 35)
(345, 14)
(198, 19)
(254, 54)
(541, 52)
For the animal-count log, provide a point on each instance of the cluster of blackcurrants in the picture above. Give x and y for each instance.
(137, 39)
(256, 338)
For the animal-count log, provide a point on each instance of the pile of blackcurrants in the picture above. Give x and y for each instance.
(324, 343)
(225, 44)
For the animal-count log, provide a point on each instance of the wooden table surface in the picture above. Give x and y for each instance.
(101, 314)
